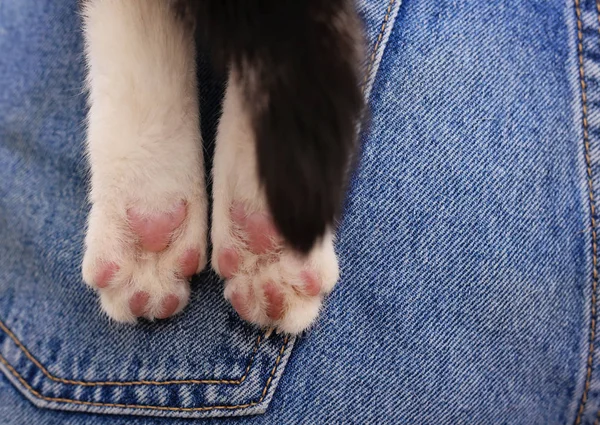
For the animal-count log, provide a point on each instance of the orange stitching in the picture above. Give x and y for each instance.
(379, 38)
(597, 421)
(586, 142)
(130, 383)
(150, 407)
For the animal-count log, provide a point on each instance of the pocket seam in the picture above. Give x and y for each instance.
(376, 47)
(66, 381)
(151, 407)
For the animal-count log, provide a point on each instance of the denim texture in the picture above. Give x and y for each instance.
(56, 347)
(468, 246)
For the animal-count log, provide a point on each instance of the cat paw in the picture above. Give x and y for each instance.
(266, 282)
(140, 259)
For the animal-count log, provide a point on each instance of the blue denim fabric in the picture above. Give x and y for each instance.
(468, 248)
(55, 346)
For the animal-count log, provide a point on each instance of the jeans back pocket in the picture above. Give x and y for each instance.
(56, 346)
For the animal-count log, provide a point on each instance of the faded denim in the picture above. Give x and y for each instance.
(468, 247)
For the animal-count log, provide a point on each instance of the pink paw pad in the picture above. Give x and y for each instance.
(312, 284)
(262, 236)
(189, 263)
(228, 262)
(259, 228)
(240, 304)
(155, 231)
(168, 306)
(275, 301)
(138, 303)
(106, 274)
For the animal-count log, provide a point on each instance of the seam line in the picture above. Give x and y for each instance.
(376, 48)
(130, 383)
(151, 407)
(590, 184)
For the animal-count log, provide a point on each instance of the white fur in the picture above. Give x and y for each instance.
(145, 151)
(235, 180)
(144, 146)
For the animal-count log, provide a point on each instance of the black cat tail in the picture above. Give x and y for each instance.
(298, 63)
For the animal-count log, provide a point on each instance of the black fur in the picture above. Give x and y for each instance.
(298, 62)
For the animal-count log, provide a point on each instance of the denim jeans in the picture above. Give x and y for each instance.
(468, 248)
